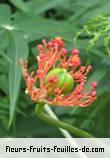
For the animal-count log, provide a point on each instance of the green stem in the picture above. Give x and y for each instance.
(64, 132)
(57, 123)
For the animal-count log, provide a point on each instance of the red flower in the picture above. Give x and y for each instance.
(57, 73)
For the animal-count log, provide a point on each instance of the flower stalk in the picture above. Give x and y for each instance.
(50, 112)
(60, 124)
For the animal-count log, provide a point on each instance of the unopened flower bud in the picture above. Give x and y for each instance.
(94, 84)
(64, 51)
(93, 94)
(75, 51)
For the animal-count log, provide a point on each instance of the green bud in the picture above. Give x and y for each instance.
(63, 78)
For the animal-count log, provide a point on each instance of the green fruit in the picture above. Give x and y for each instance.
(63, 78)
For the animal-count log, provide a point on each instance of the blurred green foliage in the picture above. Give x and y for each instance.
(22, 26)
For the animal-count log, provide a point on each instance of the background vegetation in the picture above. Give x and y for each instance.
(22, 26)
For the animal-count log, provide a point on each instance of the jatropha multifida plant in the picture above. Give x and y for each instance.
(61, 75)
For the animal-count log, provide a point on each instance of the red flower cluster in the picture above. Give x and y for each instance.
(53, 55)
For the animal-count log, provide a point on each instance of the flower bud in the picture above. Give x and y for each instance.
(65, 80)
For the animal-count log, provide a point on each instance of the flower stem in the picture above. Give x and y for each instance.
(57, 123)
(49, 111)
(64, 132)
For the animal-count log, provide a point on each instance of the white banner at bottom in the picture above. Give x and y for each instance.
(54, 148)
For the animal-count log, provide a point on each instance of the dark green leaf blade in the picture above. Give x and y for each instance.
(17, 49)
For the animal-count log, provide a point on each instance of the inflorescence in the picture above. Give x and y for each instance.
(66, 90)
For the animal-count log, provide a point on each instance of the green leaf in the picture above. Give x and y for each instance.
(4, 84)
(38, 6)
(4, 112)
(33, 127)
(5, 10)
(3, 65)
(4, 39)
(5, 14)
(17, 49)
(100, 103)
(5, 56)
(35, 27)
(20, 5)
